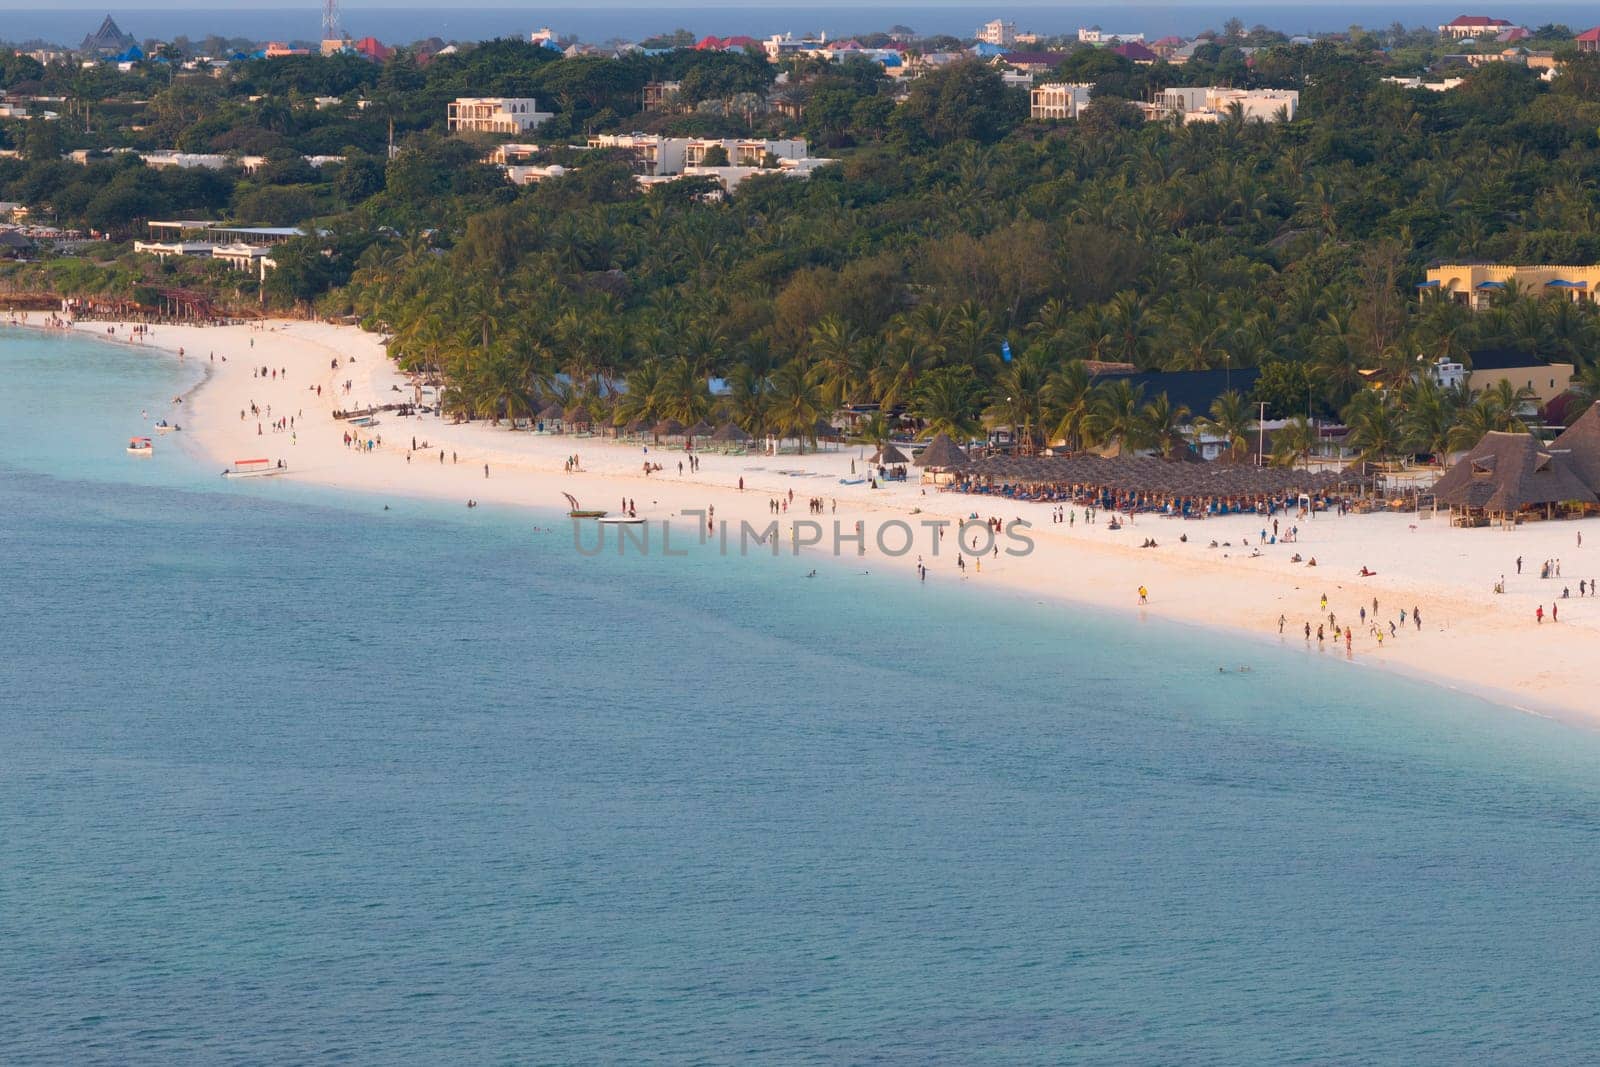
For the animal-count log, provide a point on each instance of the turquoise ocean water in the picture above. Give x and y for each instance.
(288, 778)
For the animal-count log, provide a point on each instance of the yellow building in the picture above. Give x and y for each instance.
(1477, 284)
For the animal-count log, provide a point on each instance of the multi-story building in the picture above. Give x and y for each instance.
(664, 156)
(1490, 367)
(1211, 104)
(1477, 284)
(653, 156)
(998, 32)
(1464, 26)
(496, 114)
(1095, 35)
(1055, 101)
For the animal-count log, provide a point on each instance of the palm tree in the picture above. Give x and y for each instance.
(1163, 424)
(835, 350)
(749, 399)
(1338, 360)
(947, 401)
(1231, 418)
(1019, 395)
(796, 402)
(1375, 429)
(1069, 396)
(1114, 415)
(1295, 442)
(1429, 413)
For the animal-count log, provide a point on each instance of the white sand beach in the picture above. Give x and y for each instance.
(1471, 638)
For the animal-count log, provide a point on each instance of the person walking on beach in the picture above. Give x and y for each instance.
(1347, 636)
(1538, 614)
(1519, 564)
(486, 470)
(1308, 633)
(1555, 612)
(1144, 595)
(1281, 620)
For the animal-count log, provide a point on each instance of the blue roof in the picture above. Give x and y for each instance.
(1491, 285)
(1559, 284)
(1428, 285)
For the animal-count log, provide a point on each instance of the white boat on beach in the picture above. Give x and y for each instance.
(620, 520)
(164, 427)
(141, 446)
(255, 468)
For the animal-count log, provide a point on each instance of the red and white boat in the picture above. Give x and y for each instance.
(141, 446)
(255, 468)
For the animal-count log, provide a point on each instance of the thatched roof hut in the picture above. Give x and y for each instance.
(942, 454)
(700, 429)
(578, 415)
(889, 454)
(1506, 473)
(730, 434)
(668, 428)
(551, 412)
(1581, 441)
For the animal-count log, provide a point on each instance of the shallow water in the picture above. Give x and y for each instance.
(287, 777)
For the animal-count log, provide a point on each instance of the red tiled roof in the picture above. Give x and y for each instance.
(1590, 35)
(1135, 51)
(1477, 20)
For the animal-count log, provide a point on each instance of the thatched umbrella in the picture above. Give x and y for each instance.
(889, 454)
(578, 415)
(551, 412)
(730, 434)
(635, 426)
(942, 454)
(700, 429)
(668, 428)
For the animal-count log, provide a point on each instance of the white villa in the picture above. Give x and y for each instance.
(1212, 104)
(496, 114)
(1055, 101)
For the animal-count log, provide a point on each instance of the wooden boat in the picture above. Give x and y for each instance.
(577, 511)
(141, 446)
(255, 468)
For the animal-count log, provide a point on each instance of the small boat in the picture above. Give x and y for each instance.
(577, 511)
(255, 468)
(167, 427)
(141, 446)
(363, 421)
(620, 520)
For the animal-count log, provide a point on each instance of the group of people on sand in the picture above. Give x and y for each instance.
(1374, 626)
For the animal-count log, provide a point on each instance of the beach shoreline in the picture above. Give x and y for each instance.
(1472, 640)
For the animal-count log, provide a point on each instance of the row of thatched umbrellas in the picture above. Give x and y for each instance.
(1136, 474)
(1146, 474)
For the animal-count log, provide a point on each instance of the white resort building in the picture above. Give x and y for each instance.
(496, 114)
(1210, 103)
(1055, 101)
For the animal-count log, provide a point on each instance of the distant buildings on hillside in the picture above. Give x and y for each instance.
(1056, 101)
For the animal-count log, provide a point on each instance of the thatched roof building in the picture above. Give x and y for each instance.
(942, 454)
(728, 433)
(1581, 441)
(1507, 473)
(889, 454)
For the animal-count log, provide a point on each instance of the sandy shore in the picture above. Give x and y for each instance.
(1471, 638)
